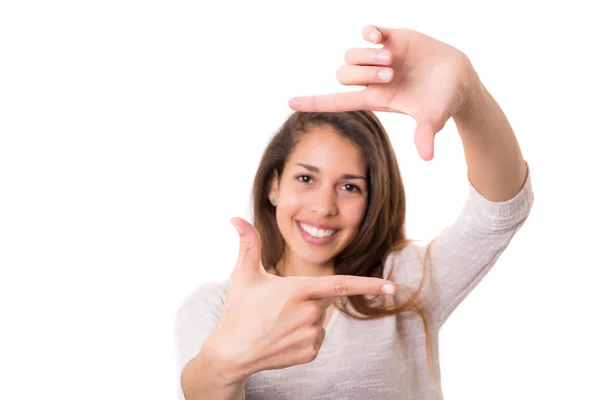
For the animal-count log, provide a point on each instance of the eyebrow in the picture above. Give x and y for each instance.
(316, 170)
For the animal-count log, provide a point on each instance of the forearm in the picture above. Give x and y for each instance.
(207, 377)
(495, 164)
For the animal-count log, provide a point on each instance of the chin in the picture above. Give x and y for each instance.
(311, 254)
(316, 259)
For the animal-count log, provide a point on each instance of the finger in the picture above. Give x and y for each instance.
(249, 251)
(360, 56)
(324, 303)
(375, 34)
(362, 75)
(372, 34)
(424, 140)
(321, 320)
(335, 102)
(347, 285)
(425, 137)
(322, 337)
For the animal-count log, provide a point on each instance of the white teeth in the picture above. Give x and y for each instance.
(318, 233)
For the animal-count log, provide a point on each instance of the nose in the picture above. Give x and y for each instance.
(324, 202)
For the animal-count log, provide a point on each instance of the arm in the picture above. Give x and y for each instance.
(433, 82)
(496, 166)
(215, 383)
(463, 253)
(259, 322)
(202, 373)
(499, 201)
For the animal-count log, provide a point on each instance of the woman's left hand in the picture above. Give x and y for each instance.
(427, 79)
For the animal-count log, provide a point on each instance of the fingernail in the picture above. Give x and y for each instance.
(388, 288)
(384, 74)
(383, 56)
(374, 36)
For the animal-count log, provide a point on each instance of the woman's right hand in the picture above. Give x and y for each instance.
(271, 322)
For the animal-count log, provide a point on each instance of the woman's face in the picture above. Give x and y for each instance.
(321, 196)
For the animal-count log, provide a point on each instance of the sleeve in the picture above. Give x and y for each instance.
(195, 319)
(463, 253)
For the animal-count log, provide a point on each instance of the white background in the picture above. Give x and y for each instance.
(129, 135)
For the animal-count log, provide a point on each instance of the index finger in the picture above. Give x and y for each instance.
(334, 102)
(347, 285)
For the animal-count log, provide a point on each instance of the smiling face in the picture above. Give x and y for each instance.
(321, 197)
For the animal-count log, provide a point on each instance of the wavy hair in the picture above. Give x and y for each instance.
(382, 230)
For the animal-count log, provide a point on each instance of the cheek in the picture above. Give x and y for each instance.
(291, 200)
(288, 206)
(353, 211)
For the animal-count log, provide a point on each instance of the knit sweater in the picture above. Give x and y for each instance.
(384, 358)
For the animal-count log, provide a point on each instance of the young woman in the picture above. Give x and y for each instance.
(307, 313)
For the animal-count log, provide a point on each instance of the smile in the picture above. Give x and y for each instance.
(315, 232)
(314, 235)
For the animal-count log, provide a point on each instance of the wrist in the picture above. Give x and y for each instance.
(228, 366)
(478, 115)
(207, 376)
(472, 94)
(202, 379)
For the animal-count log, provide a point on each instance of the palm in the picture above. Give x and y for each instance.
(430, 80)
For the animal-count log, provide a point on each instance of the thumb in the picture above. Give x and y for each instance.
(376, 34)
(249, 252)
(424, 138)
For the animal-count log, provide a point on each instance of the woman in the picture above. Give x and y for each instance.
(308, 315)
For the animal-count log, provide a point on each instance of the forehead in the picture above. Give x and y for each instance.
(324, 148)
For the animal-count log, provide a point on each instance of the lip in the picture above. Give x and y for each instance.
(313, 240)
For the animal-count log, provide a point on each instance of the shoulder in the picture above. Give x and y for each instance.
(209, 291)
(196, 316)
(206, 299)
(405, 265)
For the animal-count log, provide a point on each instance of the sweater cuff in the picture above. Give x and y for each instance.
(502, 214)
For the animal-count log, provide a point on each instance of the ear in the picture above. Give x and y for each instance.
(274, 187)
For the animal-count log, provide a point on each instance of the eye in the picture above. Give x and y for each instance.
(304, 178)
(351, 188)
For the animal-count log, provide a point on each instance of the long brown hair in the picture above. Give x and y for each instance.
(382, 229)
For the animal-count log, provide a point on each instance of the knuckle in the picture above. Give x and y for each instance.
(335, 98)
(340, 288)
(370, 288)
(314, 313)
(309, 355)
(311, 338)
(315, 335)
(246, 245)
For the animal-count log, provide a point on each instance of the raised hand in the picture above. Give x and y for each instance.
(271, 322)
(421, 76)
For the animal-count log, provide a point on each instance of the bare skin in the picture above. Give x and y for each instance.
(432, 82)
(272, 322)
(267, 322)
(328, 312)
